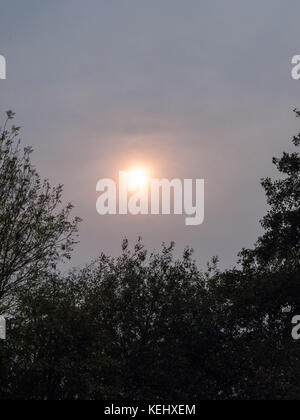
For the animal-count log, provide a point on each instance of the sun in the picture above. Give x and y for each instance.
(138, 179)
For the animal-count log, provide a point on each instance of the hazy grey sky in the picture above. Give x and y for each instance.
(195, 89)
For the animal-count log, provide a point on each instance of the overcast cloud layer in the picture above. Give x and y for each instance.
(195, 89)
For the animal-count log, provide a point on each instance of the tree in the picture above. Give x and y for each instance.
(105, 331)
(280, 245)
(34, 233)
(149, 326)
(261, 297)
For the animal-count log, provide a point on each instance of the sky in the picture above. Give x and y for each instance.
(191, 89)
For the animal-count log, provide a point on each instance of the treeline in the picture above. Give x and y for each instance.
(143, 326)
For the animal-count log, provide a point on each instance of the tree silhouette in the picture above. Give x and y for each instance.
(34, 234)
(149, 326)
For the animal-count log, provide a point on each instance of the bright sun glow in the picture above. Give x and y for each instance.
(138, 178)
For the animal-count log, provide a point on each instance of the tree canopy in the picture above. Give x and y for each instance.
(35, 233)
(145, 325)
